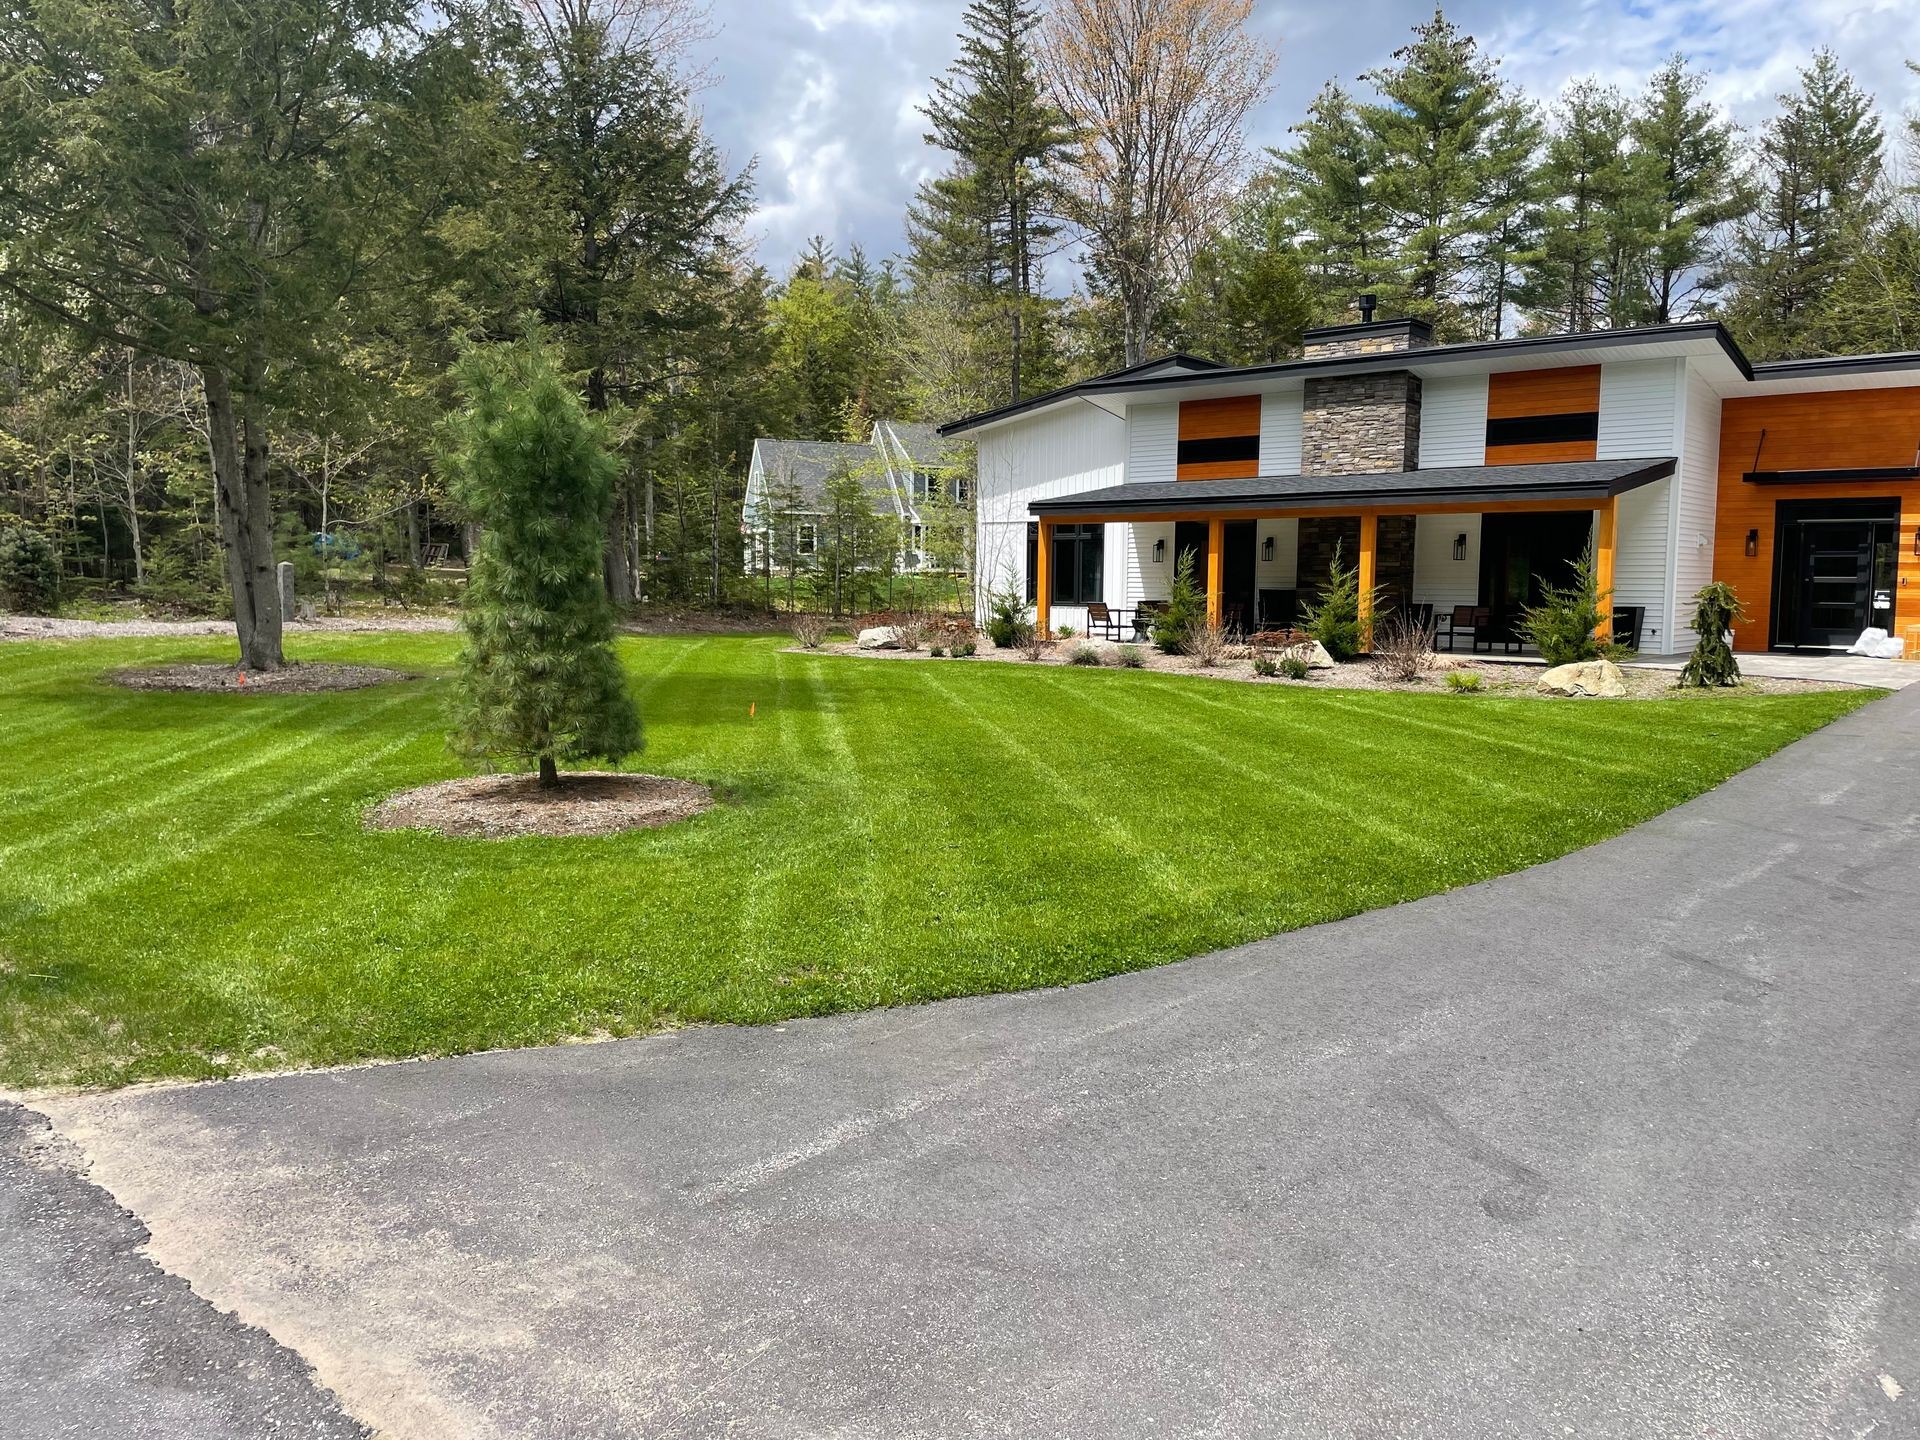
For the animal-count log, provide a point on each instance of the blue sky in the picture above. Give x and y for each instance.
(823, 92)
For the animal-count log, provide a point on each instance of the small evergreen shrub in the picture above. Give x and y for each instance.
(1084, 655)
(1128, 657)
(1715, 609)
(1334, 619)
(29, 569)
(1561, 627)
(963, 648)
(1264, 665)
(1463, 682)
(937, 651)
(1007, 618)
(1186, 608)
(1294, 667)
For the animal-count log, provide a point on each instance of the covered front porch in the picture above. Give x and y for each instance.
(1466, 549)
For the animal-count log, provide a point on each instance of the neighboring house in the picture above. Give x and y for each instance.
(1457, 475)
(905, 469)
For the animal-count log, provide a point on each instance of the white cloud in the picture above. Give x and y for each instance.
(826, 92)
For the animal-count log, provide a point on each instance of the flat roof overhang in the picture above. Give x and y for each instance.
(1565, 485)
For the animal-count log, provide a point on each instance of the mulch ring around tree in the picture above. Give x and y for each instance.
(303, 678)
(500, 807)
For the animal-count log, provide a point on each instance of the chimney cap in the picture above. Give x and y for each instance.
(1368, 302)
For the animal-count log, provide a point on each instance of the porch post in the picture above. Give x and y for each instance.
(1603, 547)
(1043, 580)
(1216, 567)
(1369, 567)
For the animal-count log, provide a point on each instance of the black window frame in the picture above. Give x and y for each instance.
(1080, 579)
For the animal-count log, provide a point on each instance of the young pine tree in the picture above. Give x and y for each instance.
(539, 681)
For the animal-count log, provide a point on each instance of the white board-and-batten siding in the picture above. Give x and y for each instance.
(1640, 419)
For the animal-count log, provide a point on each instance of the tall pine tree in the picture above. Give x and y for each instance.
(1689, 158)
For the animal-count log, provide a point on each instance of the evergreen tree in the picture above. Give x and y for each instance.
(1689, 158)
(1509, 203)
(1585, 270)
(1331, 200)
(539, 680)
(990, 219)
(1438, 103)
(1247, 295)
(1820, 161)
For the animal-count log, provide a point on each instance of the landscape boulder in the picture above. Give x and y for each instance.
(1599, 679)
(880, 637)
(1314, 653)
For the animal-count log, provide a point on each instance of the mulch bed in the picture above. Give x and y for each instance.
(500, 807)
(306, 678)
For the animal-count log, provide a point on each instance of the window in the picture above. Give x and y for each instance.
(1033, 560)
(806, 539)
(1078, 551)
(962, 490)
(919, 537)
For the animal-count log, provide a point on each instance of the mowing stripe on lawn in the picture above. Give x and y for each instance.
(206, 779)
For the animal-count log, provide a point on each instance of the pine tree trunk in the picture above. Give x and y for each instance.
(549, 772)
(237, 438)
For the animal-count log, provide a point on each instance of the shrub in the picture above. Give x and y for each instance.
(1128, 657)
(1715, 609)
(1007, 618)
(910, 629)
(1561, 627)
(29, 569)
(1294, 667)
(1064, 632)
(1186, 607)
(185, 579)
(810, 630)
(1334, 619)
(1207, 642)
(1265, 665)
(937, 651)
(1462, 682)
(963, 648)
(1402, 650)
(1084, 655)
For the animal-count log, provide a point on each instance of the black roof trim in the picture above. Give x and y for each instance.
(1832, 477)
(1467, 484)
(1121, 380)
(1837, 365)
(1066, 392)
(1408, 323)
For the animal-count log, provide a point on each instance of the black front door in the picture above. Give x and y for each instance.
(1236, 583)
(1521, 554)
(1834, 572)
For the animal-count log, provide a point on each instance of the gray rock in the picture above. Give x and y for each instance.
(1599, 679)
(880, 637)
(1314, 653)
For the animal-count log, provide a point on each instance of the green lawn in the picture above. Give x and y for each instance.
(186, 889)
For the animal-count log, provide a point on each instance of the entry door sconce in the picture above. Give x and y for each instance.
(1916, 542)
(1753, 543)
(1460, 546)
(1159, 552)
(1266, 549)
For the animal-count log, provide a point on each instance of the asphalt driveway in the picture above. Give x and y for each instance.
(1620, 1146)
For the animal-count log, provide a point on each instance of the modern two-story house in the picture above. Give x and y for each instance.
(1460, 475)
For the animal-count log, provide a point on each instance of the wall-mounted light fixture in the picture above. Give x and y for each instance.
(1753, 543)
(1159, 552)
(1266, 549)
(1916, 542)
(1460, 546)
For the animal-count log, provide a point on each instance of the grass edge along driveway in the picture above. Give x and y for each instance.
(186, 889)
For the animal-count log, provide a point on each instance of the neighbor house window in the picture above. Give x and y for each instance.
(962, 490)
(806, 540)
(1077, 554)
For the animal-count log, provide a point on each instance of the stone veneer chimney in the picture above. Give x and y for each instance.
(1362, 424)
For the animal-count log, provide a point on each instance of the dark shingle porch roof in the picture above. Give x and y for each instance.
(1464, 485)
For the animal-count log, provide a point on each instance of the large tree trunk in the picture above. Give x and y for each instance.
(619, 563)
(238, 439)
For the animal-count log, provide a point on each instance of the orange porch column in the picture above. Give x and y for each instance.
(1043, 580)
(1216, 568)
(1603, 547)
(1369, 569)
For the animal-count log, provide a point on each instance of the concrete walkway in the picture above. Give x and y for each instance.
(1840, 668)
(1623, 1145)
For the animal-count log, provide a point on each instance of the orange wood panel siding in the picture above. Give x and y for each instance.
(1237, 417)
(1522, 394)
(1821, 430)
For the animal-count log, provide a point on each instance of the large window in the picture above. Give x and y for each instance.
(1077, 553)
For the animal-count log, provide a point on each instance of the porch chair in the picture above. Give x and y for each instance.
(1107, 624)
(1143, 616)
(1451, 627)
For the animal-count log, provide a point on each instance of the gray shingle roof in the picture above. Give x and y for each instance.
(810, 464)
(1572, 479)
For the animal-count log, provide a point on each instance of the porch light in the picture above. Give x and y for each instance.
(1460, 546)
(1753, 544)
(1916, 542)
(1266, 548)
(1159, 552)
